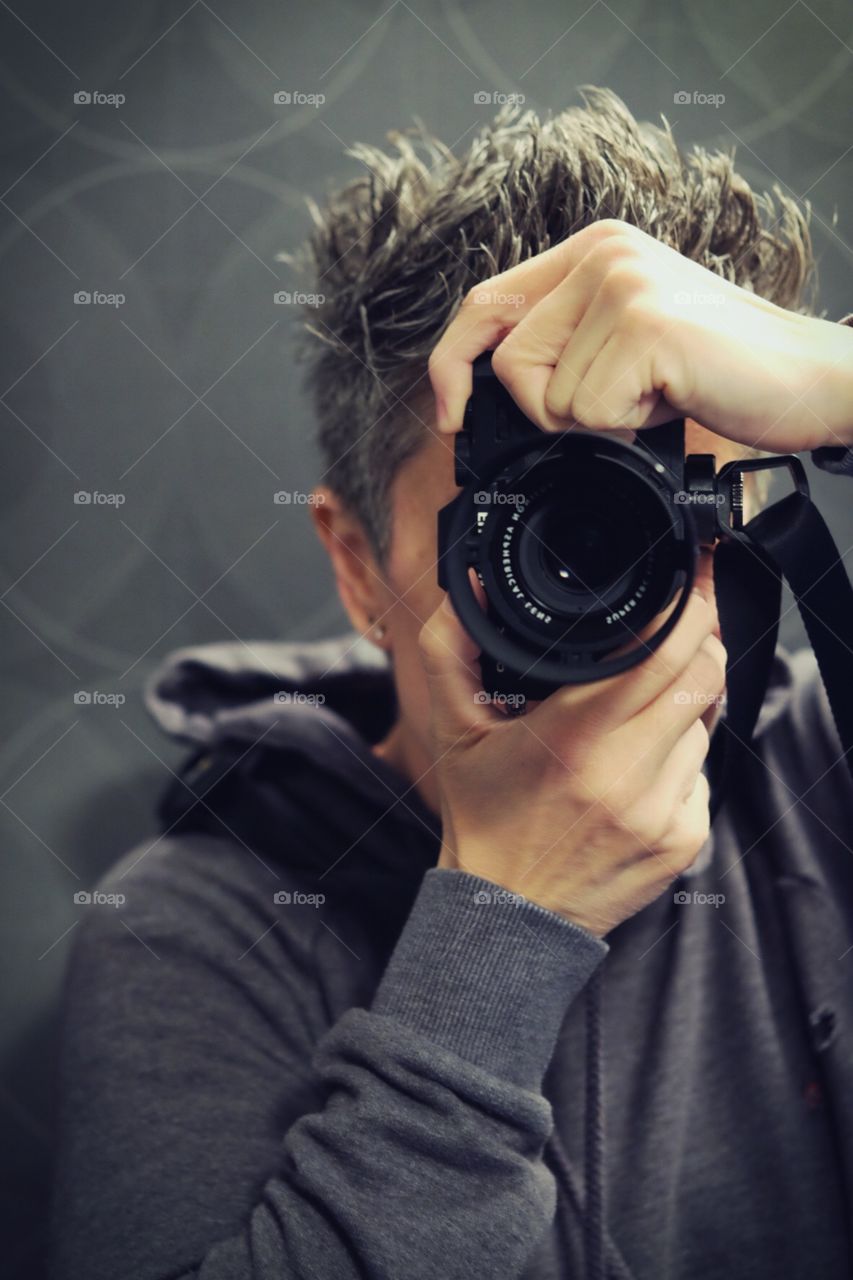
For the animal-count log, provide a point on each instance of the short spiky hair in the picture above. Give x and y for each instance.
(395, 251)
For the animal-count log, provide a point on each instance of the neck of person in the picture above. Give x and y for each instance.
(402, 751)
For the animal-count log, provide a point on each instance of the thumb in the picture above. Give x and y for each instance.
(449, 657)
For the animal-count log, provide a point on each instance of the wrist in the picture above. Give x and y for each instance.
(447, 859)
(508, 888)
(830, 395)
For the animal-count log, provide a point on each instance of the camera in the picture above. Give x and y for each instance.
(578, 539)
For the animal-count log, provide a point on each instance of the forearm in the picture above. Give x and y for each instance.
(421, 1157)
(828, 401)
(428, 1158)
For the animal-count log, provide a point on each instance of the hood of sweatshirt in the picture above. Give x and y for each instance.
(327, 701)
(281, 735)
(284, 729)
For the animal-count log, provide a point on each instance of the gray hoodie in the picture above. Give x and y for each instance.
(299, 1050)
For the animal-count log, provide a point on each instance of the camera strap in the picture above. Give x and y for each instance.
(789, 539)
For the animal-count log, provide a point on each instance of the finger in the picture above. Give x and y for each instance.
(580, 356)
(687, 829)
(703, 580)
(478, 327)
(525, 360)
(583, 345)
(677, 777)
(546, 356)
(691, 821)
(667, 666)
(686, 833)
(618, 388)
(449, 657)
(663, 723)
(604, 376)
(615, 700)
(702, 585)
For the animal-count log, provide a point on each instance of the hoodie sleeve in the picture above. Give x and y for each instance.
(202, 1136)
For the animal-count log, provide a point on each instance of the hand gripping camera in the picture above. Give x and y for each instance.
(578, 538)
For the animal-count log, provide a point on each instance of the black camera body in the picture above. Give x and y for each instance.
(579, 540)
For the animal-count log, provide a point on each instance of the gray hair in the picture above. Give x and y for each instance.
(393, 253)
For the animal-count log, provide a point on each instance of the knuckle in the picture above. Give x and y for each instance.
(619, 794)
(478, 294)
(703, 738)
(708, 666)
(643, 819)
(681, 858)
(588, 408)
(679, 648)
(641, 312)
(428, 644)
(554, 403)
(673, 655)
(694, 825)
(612, 229)
(625, 279)
(700, 830)
(607, 254)
(505, 366)
(700, 604)
(437, 357)
(502, 360)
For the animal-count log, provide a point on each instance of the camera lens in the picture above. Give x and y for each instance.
(582, 555)
(577, 539)
(583, 550)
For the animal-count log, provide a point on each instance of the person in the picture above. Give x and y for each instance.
(339, 1025)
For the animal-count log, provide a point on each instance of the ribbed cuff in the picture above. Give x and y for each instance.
(487, 974)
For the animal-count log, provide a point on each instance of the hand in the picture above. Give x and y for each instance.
(593, 802)
(611, 328)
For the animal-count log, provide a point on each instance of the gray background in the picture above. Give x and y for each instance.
(185, 398)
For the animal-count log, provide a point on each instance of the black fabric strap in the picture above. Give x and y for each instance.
(792, 539)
